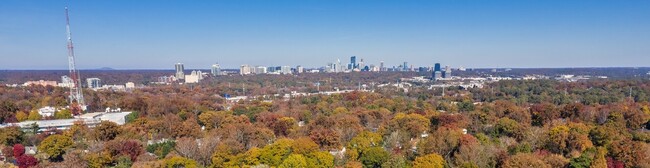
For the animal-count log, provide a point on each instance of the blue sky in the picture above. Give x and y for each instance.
(155, 34)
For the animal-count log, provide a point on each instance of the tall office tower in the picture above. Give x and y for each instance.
(353, 62)
(339, 68)
(405, 67)
(447, 73)
(179, 71)
(300, 69)
(245, 69)
(285, 70)
(328, 67)
(361, 65)
(437, 75)
(381, 66)
(216, 69)
(260, 70)
(94, 83)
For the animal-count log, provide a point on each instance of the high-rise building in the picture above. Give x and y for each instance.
(258, 70)
(332, 67)
(437, 75)
(353, 62)
(361, 65)
(94, 83)
(328, 68)
(179, 71)
(447, 73)
(339, 68)
(437, 72)
(300, 69)
(285, 70)
(245, 69)
(198, 73)
(216, 69)
(381, 66)
(405, 67)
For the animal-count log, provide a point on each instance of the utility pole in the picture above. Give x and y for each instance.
(443, 91)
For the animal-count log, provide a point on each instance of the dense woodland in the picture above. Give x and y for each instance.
(537, 123)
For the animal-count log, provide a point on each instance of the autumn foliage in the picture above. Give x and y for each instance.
(527, 123)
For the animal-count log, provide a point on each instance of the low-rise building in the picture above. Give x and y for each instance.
(47, 111)
(40, 83)
(90, 119)
(130, 85)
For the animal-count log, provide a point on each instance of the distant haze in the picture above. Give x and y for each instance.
(153, 34)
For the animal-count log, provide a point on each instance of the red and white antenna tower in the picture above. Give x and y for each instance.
(77, 103)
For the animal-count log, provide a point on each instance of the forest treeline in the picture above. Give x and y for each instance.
(543, 123)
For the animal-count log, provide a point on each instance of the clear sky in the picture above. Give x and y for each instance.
(156, 34)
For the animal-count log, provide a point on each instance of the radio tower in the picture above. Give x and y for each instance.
(77, 103)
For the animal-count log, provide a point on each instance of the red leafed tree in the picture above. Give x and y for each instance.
(129, 148)
(25, 161)
(611, 163)
(19, 150)
(132, 148)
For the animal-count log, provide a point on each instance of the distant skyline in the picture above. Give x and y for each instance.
(148, 34)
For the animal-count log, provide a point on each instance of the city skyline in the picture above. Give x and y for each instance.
(494, 34)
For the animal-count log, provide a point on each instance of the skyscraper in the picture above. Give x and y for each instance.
(216, 69)
(405, 67)
(437, 73)
(245, 69)
(381, 66)
(353, 62)
(179, 71)
(300, 69)
(361, 65)
(285, 70)
(338, 66)
(447, 73)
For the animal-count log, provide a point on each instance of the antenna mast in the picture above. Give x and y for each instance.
(76, 95)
